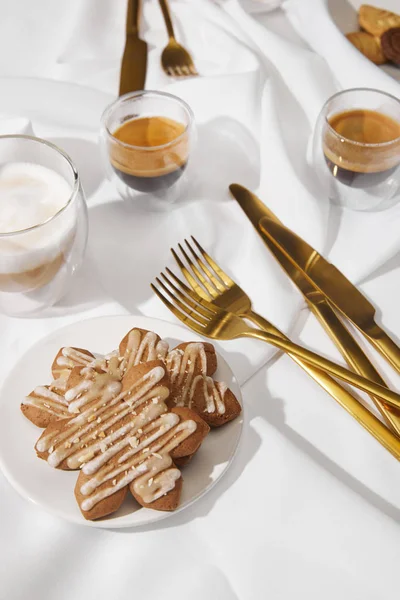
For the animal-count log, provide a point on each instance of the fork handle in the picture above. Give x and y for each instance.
(167, 18)
(324, 364)
(346, 400)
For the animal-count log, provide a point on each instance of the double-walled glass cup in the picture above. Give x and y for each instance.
(356, 174)
(147, 139)
(38, 262)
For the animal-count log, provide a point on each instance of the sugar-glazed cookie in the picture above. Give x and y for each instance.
(140, 346)
(122, 435)
(190, 367)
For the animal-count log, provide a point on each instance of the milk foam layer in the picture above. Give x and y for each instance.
(29, 195)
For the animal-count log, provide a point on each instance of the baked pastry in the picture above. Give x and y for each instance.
(368, 45)
(140, 346)
(121, 434)
(390, 41)
(376, 20)
(190, 367)
(46, 403)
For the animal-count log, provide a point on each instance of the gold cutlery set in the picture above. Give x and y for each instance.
(175, 59)
(213, 305)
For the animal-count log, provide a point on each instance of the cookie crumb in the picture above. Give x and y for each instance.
(134, 442)
(98, 420)
(157, 455)
(91, 418)
(102, 434)
(103, 447)
(150, 481)
(114, 482)
(67, 445)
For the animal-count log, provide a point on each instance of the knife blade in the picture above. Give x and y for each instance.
(255, 210)
(336, 288)
(134, 60)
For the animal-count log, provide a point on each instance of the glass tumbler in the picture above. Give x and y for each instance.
(147, 138)
(356, 149)
(40, 191)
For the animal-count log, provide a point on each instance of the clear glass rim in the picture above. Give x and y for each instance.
(353, 142)
(75, 186)
(133, 95)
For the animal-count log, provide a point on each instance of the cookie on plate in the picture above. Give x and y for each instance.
(368, 45)
(190, 368)
(140, 346)
(390, 41)
(121, 436)
(376, 20)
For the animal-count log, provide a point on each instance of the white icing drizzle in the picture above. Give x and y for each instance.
(114, 450)
(46, 399)
(70, 358)
(140, 349)
(213, 393)
(181, 365)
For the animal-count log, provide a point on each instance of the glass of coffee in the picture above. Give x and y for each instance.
(147, 138)
(356, 149)
(43, 224)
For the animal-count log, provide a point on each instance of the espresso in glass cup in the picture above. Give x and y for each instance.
(147, 139)
(43, 224)
(357, 149)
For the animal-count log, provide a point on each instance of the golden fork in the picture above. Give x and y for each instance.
(175, 59)
(208, 280)
(209, 320)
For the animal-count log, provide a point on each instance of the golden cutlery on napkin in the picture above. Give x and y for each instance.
(255, 210)
(337, 289)
(212, 321)
(175, 59)
(134, 60)
(224, 292)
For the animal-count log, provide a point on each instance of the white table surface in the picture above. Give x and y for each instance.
(316, 531)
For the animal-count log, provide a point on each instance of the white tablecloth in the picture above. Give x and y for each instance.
(299, 515)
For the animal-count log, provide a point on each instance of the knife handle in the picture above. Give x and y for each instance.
(359, 412)
(133, 17)
(354, 356)
(167, 18)
(385, 345)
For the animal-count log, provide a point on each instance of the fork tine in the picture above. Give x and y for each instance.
(190, 279)
(211, 307)
(194, 305)
(170, 71)
(215, 280)
(185, 309)
(178, 71)
(193, 70)
(221, 274)
(210, 289)
(178, 314)
(185, 70)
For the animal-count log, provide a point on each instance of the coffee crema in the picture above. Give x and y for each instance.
(363, 149)
(153, 153)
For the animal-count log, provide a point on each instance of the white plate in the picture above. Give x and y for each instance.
(53, 490)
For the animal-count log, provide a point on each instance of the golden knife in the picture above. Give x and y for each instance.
(134, 60)
(255, 210)
(337, 289)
